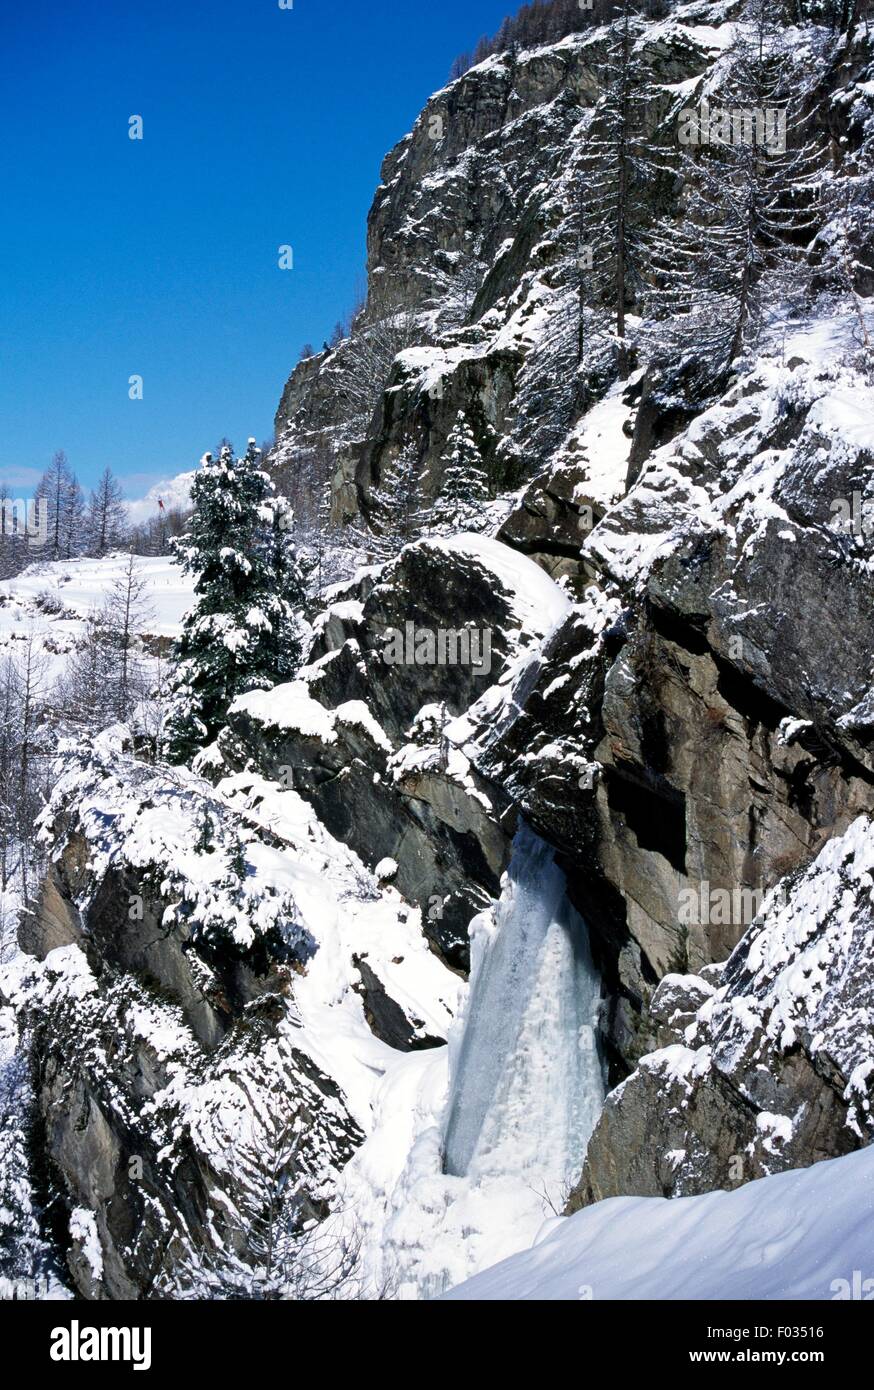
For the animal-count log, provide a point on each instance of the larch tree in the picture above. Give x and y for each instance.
(749, 207)
(619, 162)
(72, 519)
(53, 491)
(107, 515)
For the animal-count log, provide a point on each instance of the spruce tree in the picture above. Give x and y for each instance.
(397, 511)
(464, 488)
(243, 632)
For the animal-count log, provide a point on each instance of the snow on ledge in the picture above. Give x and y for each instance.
(540, 604)
(291, 707)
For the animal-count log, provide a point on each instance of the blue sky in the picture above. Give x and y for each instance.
(262, 127)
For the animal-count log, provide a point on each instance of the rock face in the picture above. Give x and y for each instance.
(691, 729)
(766, 1064)
(386, 769)
(699, 726)
(683, 739)
(172, 996)
(472, 246)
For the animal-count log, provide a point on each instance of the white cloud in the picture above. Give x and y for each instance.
(173, 492)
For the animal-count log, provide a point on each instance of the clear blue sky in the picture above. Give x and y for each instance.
(262, 127)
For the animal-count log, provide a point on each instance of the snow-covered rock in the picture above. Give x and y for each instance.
(771, 1067)
(206, 966)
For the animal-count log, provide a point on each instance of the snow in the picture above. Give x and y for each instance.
(795, 1236)
(83, 1228)
(601, 440)
(540, 603)
(290, 706)
(76, 588)
(668, 505)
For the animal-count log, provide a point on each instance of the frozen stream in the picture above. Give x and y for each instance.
(526, 1082)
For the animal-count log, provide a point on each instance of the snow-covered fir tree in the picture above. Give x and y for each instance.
(398, 512)
(244, 631)
(464, 491)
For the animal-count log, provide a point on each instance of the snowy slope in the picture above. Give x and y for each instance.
(173, 492)
(80, 585)
(792, 1236)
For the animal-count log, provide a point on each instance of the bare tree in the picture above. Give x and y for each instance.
(54, 490)
(107, 515)
(276, 1247)
(125, 611)
(371, 353)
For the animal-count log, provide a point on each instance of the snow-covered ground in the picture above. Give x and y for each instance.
(81, 585)
(807, 1234)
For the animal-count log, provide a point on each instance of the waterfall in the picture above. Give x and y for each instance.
(526, 1083)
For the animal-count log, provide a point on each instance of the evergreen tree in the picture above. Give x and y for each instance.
(243, 632)
(397, 512)
(464, 488)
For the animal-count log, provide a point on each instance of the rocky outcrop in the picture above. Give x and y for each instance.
(767, 1063)
(683, 738)
(178, 978)
(472, 250)
(374, 744)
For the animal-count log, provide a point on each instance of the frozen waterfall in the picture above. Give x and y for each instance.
(526, 1083)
